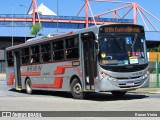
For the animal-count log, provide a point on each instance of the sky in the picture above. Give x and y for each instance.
(71, 7)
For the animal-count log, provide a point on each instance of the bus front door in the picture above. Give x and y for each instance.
(90, 64)
(17, 71)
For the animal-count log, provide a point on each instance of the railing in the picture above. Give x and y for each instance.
(67, 18)
(154, 69)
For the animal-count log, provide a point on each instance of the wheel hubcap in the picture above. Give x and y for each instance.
(28, 86)
(77, 88)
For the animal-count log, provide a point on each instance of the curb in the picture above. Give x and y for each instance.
(146, 91)
(154, 92)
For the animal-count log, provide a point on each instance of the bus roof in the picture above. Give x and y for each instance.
(33, 41)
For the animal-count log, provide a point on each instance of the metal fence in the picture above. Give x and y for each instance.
(154, 69)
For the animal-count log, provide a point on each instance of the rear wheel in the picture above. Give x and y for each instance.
(28, 86)
(76, 89)
(118, 93)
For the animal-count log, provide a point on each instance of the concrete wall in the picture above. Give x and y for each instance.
(2, 55)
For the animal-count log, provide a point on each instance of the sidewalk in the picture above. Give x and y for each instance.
(2, 74)
(146, 91)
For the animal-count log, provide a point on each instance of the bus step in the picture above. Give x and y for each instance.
(18, 88)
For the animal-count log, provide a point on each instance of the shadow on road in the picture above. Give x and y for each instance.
(45, 93)
(109, 97)
(91, 97)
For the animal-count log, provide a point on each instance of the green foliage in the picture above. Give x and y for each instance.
(35, 29)
(153, 72)
(154, 49)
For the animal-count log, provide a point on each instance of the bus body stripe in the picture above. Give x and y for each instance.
(30, 73)
(61, 69)
(58, 81)
(11, 79)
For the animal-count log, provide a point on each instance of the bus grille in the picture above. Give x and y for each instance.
(120, 78)
(135, 84)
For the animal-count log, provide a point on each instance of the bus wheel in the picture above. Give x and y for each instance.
(76, 89)
(28, 86)
(118, 93)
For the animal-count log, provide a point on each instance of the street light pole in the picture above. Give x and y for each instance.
(12, 24)
(25, 20)
(57, 15)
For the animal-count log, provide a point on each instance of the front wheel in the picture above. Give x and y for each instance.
(28, 86)
(76, 89)
(118, 93)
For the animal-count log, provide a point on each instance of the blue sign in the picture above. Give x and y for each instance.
(128, 40)
(12, 70)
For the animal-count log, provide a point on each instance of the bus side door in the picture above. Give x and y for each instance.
(17, 71)
(90, 64)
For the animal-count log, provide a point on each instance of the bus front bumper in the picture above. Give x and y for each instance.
(121, 84)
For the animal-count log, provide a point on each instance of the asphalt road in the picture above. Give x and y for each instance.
(11, 100)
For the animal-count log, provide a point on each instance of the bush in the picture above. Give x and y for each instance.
(154, 49)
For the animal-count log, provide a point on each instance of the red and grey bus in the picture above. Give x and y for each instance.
(103, 58)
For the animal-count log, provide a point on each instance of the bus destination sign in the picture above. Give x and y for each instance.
(121, 29)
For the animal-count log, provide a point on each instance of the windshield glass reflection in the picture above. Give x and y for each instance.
(122, 50)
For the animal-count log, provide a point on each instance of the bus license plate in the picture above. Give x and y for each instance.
(130, 83)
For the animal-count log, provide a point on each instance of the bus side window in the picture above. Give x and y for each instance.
(25, 55)
(72, 49)
(58, 50)
(10, 58)
(46, 52)
(35, 56)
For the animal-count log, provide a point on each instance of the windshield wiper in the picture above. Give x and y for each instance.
(115, 41)
(134, 41)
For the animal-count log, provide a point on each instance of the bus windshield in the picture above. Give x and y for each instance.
(122, 50)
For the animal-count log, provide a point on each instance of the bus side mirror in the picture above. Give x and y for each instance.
(88, 36)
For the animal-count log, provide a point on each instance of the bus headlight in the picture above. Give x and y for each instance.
(104, 75)
(145, 76)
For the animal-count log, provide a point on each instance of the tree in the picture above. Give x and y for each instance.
(35, 29)
(154, 49)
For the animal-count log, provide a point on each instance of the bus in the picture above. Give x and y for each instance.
(102, 58)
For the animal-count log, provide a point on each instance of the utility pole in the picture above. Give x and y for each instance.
(12, 24)
(57, 15)
(86, 14)
(25, 20)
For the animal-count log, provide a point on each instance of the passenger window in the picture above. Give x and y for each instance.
(35, 56)
(46, 52)
(10, 58)
(25, 55)
(58, 45)
(58, 50)
(72, 49)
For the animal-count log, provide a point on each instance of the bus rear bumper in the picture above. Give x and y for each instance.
(122, 85)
